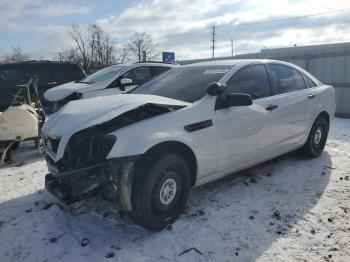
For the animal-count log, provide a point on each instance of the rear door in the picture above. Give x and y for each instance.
(10, 83)
(245, 130)
(290, 106)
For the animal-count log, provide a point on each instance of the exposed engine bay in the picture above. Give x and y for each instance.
(84, 169)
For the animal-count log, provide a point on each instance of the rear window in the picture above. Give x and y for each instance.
(309, 83)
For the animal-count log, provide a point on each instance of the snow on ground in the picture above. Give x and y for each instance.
(289, 209)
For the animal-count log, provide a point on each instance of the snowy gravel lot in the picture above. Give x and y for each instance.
(288, 209)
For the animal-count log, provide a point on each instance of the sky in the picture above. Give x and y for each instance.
(39, 27)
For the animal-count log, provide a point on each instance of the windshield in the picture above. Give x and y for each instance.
(184, 83)
(102, 75)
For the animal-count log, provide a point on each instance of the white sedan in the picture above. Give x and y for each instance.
(112, 80)
(192, 125)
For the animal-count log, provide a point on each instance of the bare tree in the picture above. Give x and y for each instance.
(16, 55)
(93, 48)
(69, 54)
(83, 44)
(105, 53)
(122, 55)
(140, 43)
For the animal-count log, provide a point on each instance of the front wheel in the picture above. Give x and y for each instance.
(160, 191)
(317, 138)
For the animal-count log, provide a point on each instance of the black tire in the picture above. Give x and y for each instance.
(160, 174)
(317, 138)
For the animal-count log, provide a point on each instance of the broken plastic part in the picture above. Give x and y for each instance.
(112, 178)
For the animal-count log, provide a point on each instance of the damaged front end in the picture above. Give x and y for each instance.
(111, 178)
(84, 170)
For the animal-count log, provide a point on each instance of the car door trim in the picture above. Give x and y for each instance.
(198, 125)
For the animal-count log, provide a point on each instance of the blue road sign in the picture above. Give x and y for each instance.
(168, 57)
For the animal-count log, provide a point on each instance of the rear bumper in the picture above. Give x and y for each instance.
(112, 178)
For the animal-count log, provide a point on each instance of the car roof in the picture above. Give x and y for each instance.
(234, 62)
(244, 62)
(31, 62)
(146, 64)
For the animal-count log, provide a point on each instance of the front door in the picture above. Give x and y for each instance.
(137, 75)
(245, 131)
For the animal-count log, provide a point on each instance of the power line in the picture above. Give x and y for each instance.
(266, 21)
(290, 18)
(231, 47)
(213, 40)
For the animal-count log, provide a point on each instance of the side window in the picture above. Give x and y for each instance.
(309, 83)
(252, 80)
(157, 70)
(139, 75)
(284, 79)
(9, 74)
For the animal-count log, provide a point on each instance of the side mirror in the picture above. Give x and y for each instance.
(215, 89)
(234, 99)
(125, 81)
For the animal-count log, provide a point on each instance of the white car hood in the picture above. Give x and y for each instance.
(62, 91)
(80, 114)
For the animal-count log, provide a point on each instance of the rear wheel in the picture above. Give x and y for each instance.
(317, 138)
(160, 191)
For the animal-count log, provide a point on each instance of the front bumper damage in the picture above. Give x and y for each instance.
(112, 178)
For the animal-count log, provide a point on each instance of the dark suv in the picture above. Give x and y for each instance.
(14, 76)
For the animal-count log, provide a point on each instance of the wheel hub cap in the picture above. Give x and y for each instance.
(318, 136)
(168, 191)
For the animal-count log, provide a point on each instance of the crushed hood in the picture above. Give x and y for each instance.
(80, 114)
(62, 91)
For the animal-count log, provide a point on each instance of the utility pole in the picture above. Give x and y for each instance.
(213, 40)
(232, 47)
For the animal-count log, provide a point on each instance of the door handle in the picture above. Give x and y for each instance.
(311, 96)
(22, 85)
(52, 83)
(271, 107)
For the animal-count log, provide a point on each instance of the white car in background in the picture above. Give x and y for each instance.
(111, 80)
(194, 124)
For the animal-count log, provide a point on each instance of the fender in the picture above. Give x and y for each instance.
(172, 127)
